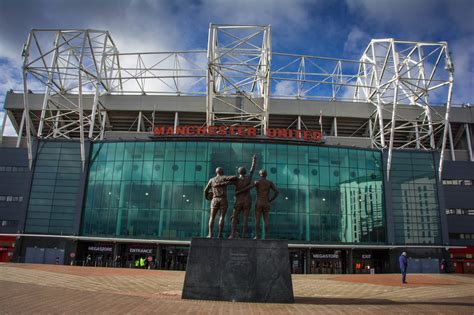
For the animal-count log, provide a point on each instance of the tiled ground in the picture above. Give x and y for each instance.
(46, 289)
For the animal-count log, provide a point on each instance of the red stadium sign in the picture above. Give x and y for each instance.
(238, 131)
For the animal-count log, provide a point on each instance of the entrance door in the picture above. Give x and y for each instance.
(459, 267)
(297, 261)
(174, 258)
(34, 255)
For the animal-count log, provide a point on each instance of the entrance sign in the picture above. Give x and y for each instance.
(238, 131)
(140, 250)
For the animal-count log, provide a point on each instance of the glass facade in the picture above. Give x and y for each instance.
(415, 198)
(154, 190)
(55, 188)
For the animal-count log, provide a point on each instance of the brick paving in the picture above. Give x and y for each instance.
(49, 289)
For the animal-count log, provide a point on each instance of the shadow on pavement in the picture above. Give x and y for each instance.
(343, 301)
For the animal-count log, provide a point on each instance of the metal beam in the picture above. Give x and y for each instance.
(176, 122)
(238, 64)
(469, 142)
(20, 130)
(450, 68)
(451, 144)
(334, 127)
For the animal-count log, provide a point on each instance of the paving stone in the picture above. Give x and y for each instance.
(50, 289)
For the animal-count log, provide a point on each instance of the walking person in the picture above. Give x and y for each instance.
(88, 260)
(403, 266)
(444, 266)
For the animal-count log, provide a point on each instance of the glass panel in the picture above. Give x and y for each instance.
(154, 190)
(55, 185)
(415, 199)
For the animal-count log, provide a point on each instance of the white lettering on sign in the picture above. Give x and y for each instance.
(140, 250)
(99, 249)
(326, 256)
(368, 256)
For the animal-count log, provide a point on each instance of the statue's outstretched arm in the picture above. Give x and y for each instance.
(254, 164)
(250, 186)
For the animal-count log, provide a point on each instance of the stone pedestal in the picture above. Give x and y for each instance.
(240, 270)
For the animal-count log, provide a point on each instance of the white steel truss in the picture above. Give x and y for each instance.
(160, 73)
(78, 68)
(71, 64)
(312, 77)
(413, 73)
(239, 60)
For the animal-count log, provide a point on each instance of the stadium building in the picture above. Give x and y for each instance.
(114, 150)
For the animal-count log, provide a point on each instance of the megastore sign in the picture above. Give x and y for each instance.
(238, 131)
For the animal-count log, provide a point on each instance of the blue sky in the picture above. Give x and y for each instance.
(318, 27)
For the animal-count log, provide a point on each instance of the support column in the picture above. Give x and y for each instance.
(394, 110)
(349, 261)
(115, 253)
(469, 142)
(334, 127)
(371, 131)
(176, 122)
(104, 120)
(308, 261)
(451, 143)
(450, 68)
(139, 124)
(158, 256)
(417, 135)
(27, 120)
(20, 130)
(48, 86)
(97, 88)
(388, 203)
(80, 103)
(56, 124)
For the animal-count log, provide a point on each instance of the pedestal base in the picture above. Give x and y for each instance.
(238, 270)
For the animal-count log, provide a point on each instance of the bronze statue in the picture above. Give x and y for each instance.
(218, 197)
(262, 206)
(243, 201)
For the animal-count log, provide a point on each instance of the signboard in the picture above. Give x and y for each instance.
(238, 131)
(100, 249)
(140, 250)
(326, 256)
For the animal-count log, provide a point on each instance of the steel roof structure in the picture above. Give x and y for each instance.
(397, 95)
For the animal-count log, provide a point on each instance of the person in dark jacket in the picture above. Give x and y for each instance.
(403, 266)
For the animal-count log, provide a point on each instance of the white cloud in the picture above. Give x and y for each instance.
(285, 88)
(182, 25)
(9, 76)
(357, 41)
(463, 59)
(423, 21)
(407, 15)
(142, 26)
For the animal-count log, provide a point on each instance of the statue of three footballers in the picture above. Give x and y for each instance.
(216, 191)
